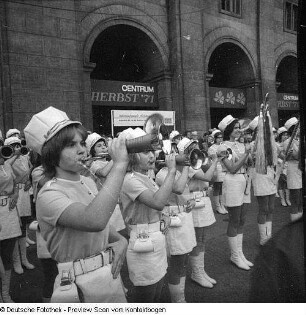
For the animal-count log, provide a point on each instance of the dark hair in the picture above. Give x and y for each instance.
(290, 130)
(92, 150)
(51, 150)
(229, 129)
(216, 135)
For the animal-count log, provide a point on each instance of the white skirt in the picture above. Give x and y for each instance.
(233, 189)
(9, 220)
(264, 184)
(150, 267)
(203, 214)
(181, 239)
(23, 203)
(294, 175)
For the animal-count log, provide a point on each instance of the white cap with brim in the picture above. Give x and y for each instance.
(133, 133)
(290, 122)
(253, 124)
(281, 130)
(11, 132)
(173, 134)
(92, 139)
(225, 122)
(215, 132)
(184, 144)
(12, 140)
(45, 125)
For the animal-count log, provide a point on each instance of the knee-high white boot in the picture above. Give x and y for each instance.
(282, 198)
(5, 286)
(16, 259)
(262, 233)
(295, 216)
(177, 291)
(287, 194)
(23, 253)
(235, 257)
(223, 210)
(197, 271)
(240, 250)
(211, 280)
(269, 229)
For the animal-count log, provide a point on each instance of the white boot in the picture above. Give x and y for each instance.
(295, 216)
(287, 194)
(282, 197)
(269, 229)
(235, 257)
(211, 280)
(240, 250)
(197, 271)
(23, 253)
(223, 210)
(16, 259)
(262, 233)
(6, 287)
(177, 291)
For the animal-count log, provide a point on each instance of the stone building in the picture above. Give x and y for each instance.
(201, 59)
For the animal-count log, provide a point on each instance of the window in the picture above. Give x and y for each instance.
(232, 7)
(291, 10)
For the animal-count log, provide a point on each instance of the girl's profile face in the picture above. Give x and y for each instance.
(72, 154)
(284, 136)
(100, 147)
(146, 160)
(236, 131)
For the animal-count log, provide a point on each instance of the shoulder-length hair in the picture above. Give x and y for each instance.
(51, 150)
(229, 129)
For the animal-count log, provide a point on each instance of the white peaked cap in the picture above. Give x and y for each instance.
(290, 122)
(215, 132)
(44, 125)
(173, 134)
(92, 139)
(11, 132)
(184, 144)
(11, 140)
(225, 122)
(254, 123)
(134, 133)
(281, 130)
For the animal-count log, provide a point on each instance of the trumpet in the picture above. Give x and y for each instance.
(195, 158)
(7, 151)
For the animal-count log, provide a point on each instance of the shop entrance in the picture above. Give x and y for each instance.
(127, 54)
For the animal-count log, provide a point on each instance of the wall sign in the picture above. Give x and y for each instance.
(227, 98)
(287, 101)
(118, 93)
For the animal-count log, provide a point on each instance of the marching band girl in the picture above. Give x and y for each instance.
(234, 186)
(22, 170)
(142, 205)
(10, 224)
(294, 173)
(73, 216)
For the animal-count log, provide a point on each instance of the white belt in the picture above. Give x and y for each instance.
(199, 194)
(152, 227)
(82, 266)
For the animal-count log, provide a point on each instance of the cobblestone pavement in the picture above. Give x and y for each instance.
(233, 283)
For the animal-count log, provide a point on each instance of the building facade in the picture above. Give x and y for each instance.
(203, 59)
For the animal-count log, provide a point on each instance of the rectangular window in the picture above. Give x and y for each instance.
(290, 20)
(232, 7)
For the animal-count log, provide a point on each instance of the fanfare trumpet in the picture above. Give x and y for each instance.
(7, 151)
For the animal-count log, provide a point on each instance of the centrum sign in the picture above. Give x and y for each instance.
(117, 93)
(287, 101)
